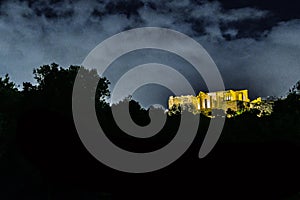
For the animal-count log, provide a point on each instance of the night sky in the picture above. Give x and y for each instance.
(255, 44)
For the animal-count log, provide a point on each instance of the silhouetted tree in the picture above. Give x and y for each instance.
(9, 95)
(48, 137)
(46, 131)
(55, 86)
(9, 108)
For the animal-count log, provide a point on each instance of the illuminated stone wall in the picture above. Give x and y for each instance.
(188, 102)
(235, 100)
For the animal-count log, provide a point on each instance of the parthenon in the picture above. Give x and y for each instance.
(236, 101)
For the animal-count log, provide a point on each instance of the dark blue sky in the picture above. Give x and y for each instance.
(255, 44)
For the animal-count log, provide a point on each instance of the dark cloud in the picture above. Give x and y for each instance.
(254, 43)
(281, 10)
(128, 8)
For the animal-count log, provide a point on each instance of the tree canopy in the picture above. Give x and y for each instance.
(41, 116)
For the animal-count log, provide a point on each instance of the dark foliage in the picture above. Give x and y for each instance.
(264, 150)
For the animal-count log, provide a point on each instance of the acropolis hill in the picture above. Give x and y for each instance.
(230, 101)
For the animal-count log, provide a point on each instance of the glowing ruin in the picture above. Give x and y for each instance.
(230, 101)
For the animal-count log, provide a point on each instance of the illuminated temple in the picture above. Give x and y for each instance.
(228, 101)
